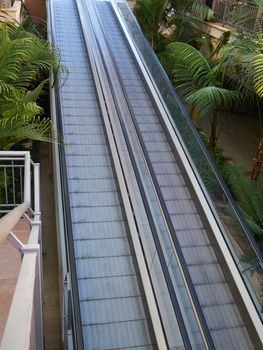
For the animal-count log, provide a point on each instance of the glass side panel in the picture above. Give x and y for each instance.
(241, 243)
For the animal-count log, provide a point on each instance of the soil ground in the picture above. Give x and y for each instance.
(239, 138)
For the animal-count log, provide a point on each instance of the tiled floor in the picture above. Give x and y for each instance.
(10, 262)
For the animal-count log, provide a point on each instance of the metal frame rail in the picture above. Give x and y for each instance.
(24, 326)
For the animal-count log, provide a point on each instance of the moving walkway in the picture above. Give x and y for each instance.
(153, 243)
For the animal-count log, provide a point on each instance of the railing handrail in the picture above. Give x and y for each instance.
(25, 315)
(243, 24)
(8, 222)
(17, 330)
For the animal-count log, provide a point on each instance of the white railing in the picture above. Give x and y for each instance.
(24, 327)
(243, 15)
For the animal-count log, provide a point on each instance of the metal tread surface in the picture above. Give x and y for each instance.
(111, 301)
(227, 327)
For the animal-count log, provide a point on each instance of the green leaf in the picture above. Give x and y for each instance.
(257, 64)
(212, 98)
(191, 71)
(24, 61)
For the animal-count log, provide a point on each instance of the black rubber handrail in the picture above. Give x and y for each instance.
(75, 302)
(170, 286)
(206, 153)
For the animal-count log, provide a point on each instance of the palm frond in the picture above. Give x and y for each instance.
(259, 3)
(24, 61)
(24, 57)
(151, 17)
(12, 55)
(189, 66)
(21, 103)
(248, 195)
(35, 26)
(257, 66)
(211, 98)
(16, 129)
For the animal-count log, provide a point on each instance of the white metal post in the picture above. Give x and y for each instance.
(26, 315)
(27, 179)
(38, 304)
(36, 189)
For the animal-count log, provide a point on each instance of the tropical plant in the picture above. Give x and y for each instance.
(34, 26)
(185, 19)
(25, 61)
(257, 67)
(151, 17)
(163, 20)
(202, 85)
(258, 160)
(245, 57)
(248, 195)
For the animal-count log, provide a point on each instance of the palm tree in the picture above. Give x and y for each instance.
(186, 19)
(151, 17)
(248, 195)
(202, 85)
(20, 118)
(247, 51)
(25, 62)
(162, 19)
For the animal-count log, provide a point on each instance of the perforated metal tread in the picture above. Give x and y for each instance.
(222, 315)
(111, 301)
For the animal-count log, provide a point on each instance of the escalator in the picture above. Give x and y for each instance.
(198, 304)
(109, 307)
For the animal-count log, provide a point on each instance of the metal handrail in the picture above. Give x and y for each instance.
(25, 317)
(8, 222)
